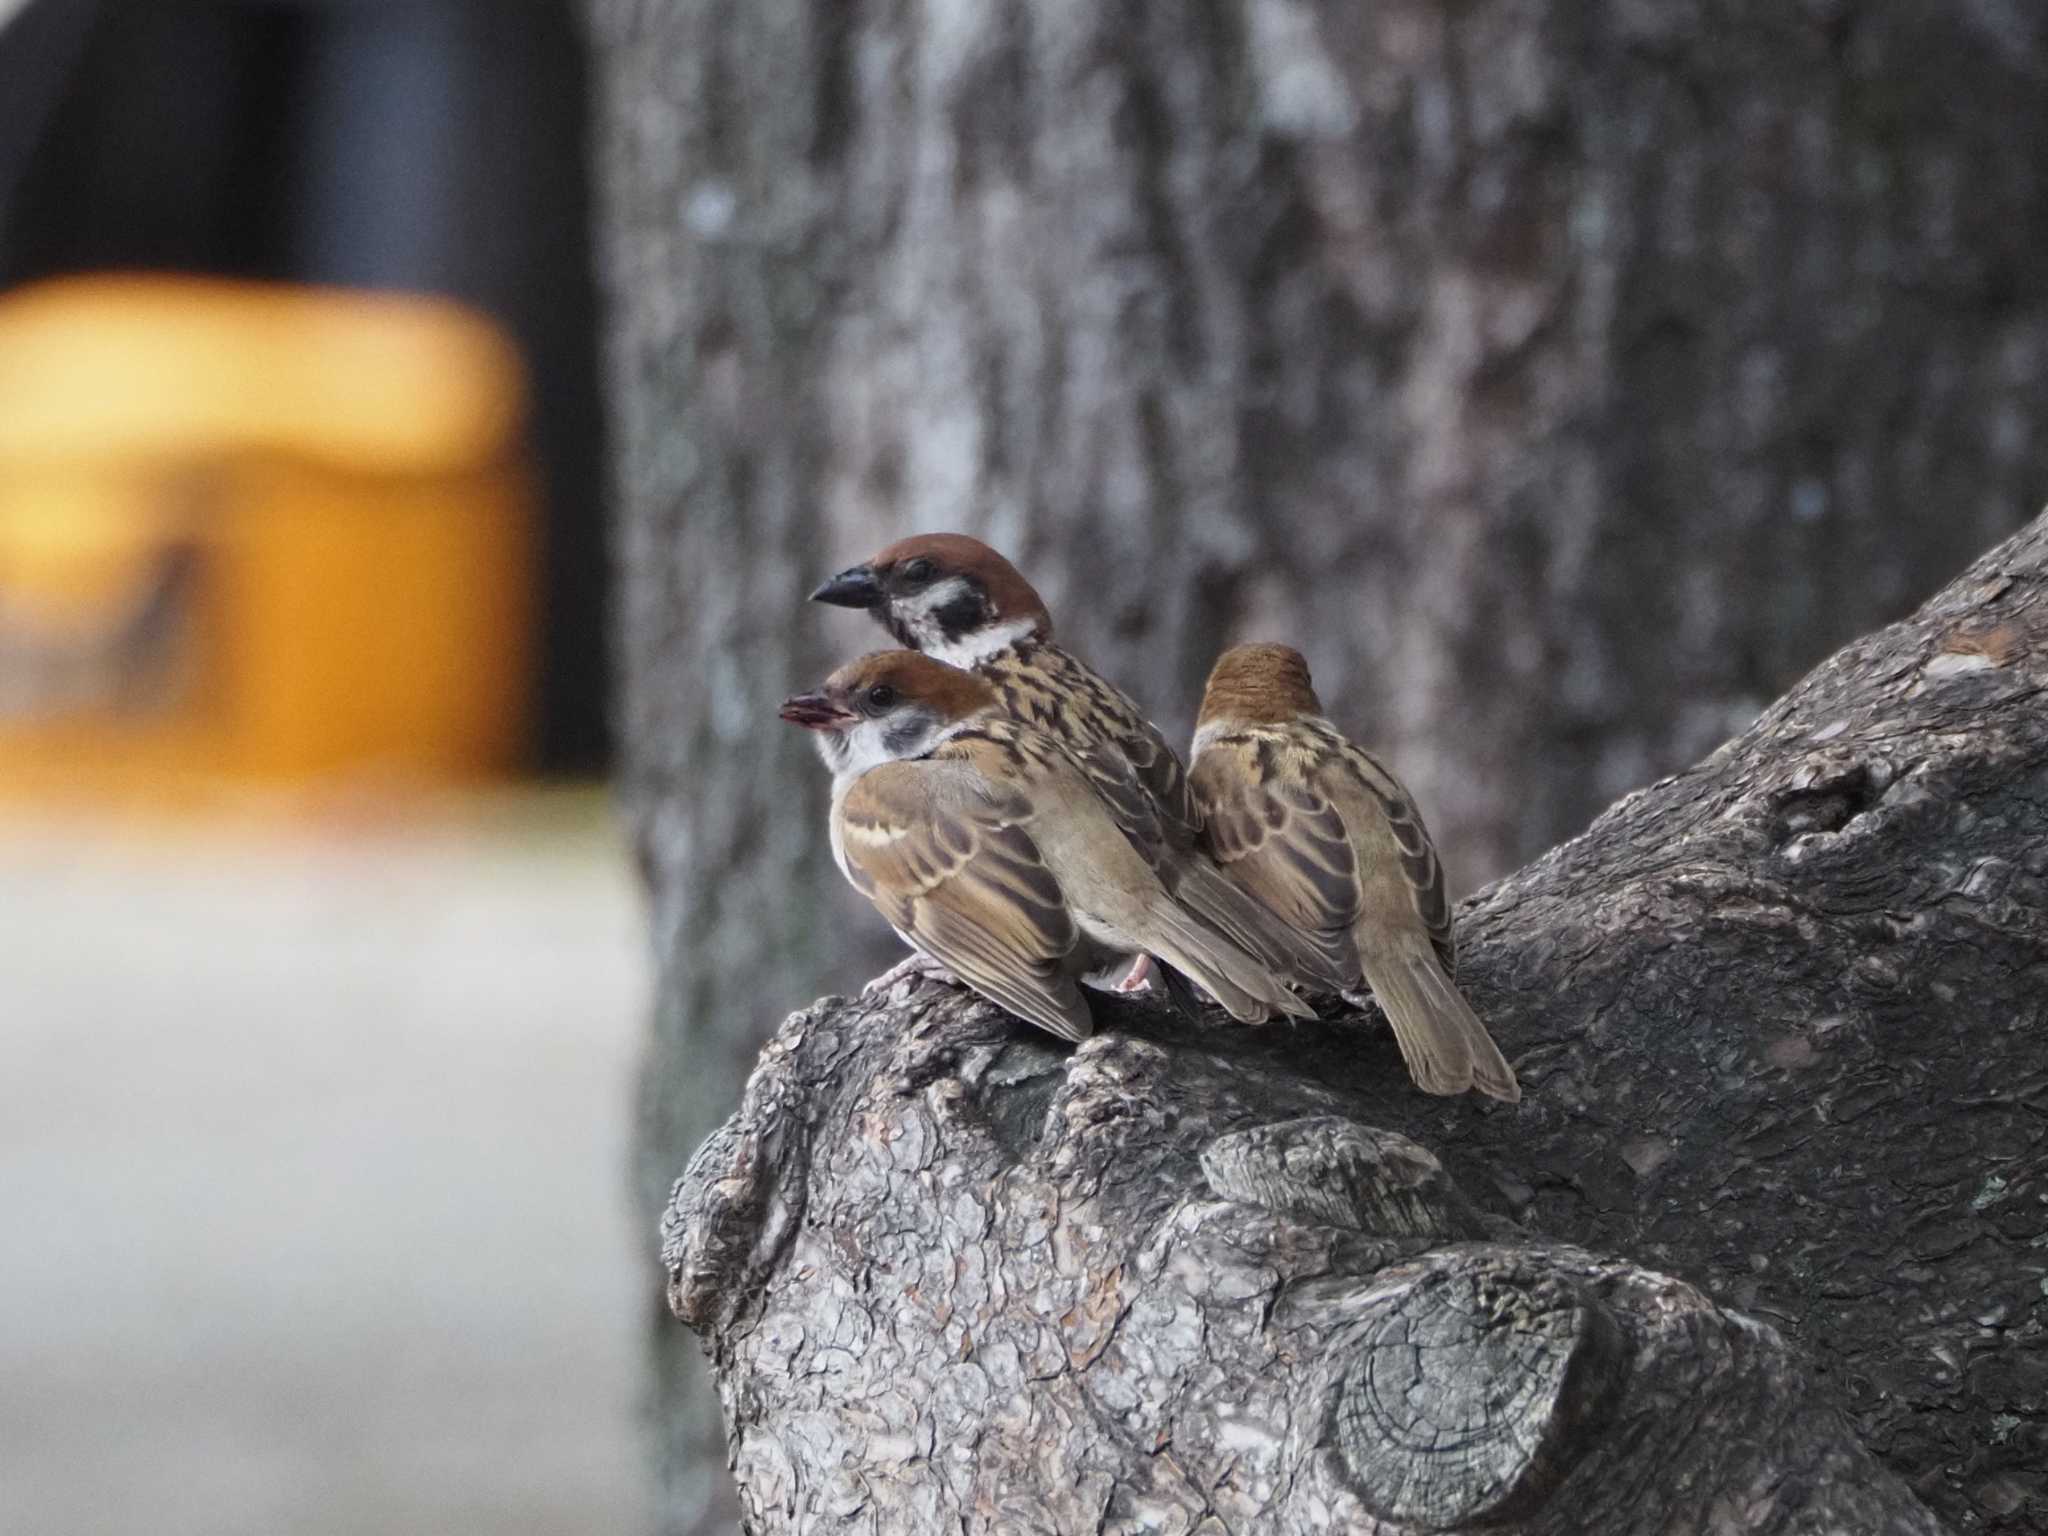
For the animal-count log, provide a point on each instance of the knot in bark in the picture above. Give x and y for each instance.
(1470, 1393)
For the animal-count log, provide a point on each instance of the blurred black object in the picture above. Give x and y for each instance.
(435, 145)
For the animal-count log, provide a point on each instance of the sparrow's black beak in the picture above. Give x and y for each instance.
(815, 712)
(854, 587)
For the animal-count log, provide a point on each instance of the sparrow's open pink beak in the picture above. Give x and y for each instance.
(815, 712)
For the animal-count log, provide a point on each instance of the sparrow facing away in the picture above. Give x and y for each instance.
(954, 598)
(988, 849)
(1326, 837)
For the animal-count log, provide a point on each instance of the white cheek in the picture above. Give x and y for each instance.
(853, 751)
(917, 613)
(937, 595)
(863, 747)
(867, 745)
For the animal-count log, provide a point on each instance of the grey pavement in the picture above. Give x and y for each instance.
(313, 1207)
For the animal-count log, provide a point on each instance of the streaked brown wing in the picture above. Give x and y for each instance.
(1281, 839)
(1124, 755)
(1166, 781)
(952, 866)
(1420, 865)
(1115, 780)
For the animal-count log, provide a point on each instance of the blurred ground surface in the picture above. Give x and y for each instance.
(313, 1207)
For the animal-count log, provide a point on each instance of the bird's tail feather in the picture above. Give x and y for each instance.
(1247, 989)
(1253, 926)
(1442, 1040)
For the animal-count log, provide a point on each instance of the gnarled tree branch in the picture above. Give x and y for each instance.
(1779, 1023)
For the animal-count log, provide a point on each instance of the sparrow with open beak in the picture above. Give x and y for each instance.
(1326, 837)
(954, 598)
(988, 849)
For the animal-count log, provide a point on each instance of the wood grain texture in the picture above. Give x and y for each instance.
(1780, 1020)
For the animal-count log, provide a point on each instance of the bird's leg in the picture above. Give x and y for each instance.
(1139, 977)
(916, 964)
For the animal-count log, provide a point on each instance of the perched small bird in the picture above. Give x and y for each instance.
(1322, 834)
(954, 598)
(988, 849)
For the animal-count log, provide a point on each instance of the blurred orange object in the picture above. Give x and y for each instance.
(258, 533)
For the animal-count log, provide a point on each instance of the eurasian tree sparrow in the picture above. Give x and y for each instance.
(954, 598)
(987, 848)
(1326, 837)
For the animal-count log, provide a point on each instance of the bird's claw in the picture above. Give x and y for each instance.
(1139, 977)
(914, 965)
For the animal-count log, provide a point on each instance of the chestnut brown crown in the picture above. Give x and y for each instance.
(1259, 685)
(883, 681)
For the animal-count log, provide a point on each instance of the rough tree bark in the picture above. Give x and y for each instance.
(1783, 1030)
(1566, 378)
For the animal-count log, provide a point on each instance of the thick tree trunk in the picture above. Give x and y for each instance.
(1780, 1022)
(1565, 378)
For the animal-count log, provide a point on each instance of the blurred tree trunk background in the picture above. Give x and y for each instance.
(1563, 379)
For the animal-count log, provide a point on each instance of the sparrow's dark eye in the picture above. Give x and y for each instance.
(919, 571)
(880, 697)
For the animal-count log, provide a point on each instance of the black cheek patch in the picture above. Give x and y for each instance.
(963, 613)
(906, 731)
